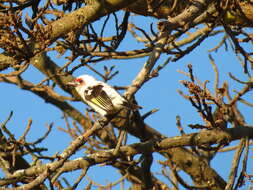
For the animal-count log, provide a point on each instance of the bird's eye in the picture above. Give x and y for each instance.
(80, 81)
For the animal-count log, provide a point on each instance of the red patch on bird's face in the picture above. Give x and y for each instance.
(80, 81)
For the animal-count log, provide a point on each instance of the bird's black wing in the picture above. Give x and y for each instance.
(98, 96)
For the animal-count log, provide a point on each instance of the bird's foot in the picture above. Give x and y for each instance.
(103, 121)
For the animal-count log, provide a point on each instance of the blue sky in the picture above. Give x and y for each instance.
(159, 93)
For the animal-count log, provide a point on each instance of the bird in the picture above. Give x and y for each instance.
(100, 96)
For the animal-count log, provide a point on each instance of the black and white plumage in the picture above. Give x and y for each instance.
(103, 98)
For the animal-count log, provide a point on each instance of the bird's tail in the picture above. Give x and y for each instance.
(135, 106)
(131, 106)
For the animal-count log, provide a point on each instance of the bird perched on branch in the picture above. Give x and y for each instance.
(103, 98)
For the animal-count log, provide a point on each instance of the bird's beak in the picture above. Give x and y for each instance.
(73, 83)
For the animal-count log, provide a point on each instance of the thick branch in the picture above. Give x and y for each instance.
(205, 137)
(84, 15)
(144, 73)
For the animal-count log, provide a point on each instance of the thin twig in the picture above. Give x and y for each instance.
(216, 72)
(27, 129)
(240, 180)
(3, 126)
(235, 165)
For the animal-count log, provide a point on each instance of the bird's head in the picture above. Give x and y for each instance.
(82, 81)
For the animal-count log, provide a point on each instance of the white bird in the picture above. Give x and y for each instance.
(103, 98)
